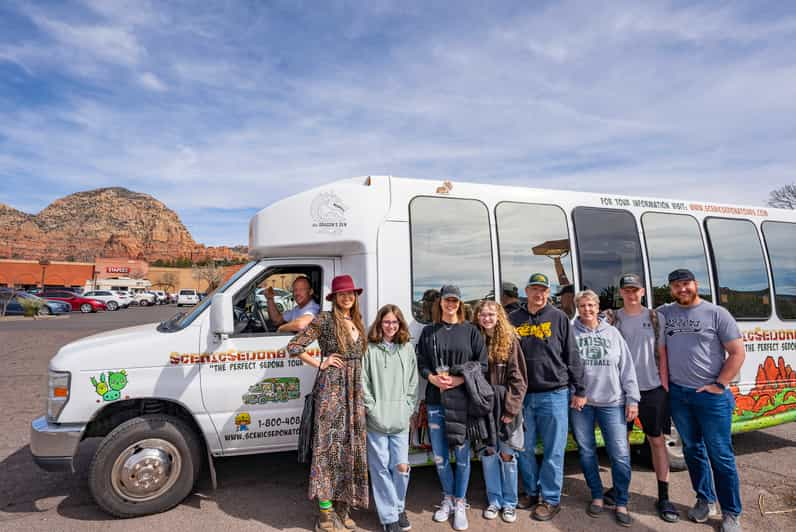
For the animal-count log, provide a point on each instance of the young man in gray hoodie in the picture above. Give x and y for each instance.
(612, 398)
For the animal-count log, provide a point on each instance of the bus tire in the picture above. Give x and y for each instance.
(674, 450)
(146, 465)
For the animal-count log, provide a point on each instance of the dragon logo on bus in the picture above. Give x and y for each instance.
(328, 213)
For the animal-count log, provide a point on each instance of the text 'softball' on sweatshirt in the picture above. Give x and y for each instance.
(608, 370)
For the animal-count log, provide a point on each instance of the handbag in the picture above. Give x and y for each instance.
(307, 424)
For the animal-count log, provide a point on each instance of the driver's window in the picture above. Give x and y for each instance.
(278, 301)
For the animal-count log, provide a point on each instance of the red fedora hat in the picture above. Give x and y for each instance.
(342, 283)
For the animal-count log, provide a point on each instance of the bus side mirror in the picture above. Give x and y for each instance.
(222, 321)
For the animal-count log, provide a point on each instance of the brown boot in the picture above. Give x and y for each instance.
(328, 522)
(343, 511)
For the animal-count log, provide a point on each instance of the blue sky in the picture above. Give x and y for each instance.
(220, 108)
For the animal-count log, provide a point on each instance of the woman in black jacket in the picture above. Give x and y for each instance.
(449, 342)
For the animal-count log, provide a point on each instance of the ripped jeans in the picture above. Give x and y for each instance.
(454, 482)
(385, 453)
(500, 476)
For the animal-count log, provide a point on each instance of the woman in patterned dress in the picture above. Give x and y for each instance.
(339, 470)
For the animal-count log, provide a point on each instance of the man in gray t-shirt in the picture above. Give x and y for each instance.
(639, 332)
(695, 339)
(638, 325)
(697, 335)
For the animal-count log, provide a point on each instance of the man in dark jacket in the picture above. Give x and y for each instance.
(554, 367)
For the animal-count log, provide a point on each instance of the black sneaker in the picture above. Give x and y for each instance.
(403, 522)
(391, 527)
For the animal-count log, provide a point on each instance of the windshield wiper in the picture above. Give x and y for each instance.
(169, 324)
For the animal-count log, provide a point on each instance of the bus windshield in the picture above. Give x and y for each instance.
(182, 319)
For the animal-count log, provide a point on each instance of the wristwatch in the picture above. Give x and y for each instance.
(720, 385)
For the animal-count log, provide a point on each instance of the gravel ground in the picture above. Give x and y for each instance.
(268, 492)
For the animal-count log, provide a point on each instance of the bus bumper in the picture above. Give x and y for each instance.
(54, 445)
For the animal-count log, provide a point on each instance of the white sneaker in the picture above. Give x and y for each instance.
(509, 515)
(491, 512)
(445, 509)
(460, 515)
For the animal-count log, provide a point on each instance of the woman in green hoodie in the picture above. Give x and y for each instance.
(389, 379)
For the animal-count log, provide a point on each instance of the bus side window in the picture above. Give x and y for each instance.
(780, 238)
(450, 244)
(741, 274)
(534, 238)
(608, 246)
(674, 241)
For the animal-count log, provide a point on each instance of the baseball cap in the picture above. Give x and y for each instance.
(539, 279)
(630, 280)
(510, 289)
(681, 274)
(566, 289)
(450, 290)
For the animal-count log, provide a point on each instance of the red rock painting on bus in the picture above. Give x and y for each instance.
(774, 391)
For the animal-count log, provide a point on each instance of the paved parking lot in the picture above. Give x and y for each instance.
(268, 492)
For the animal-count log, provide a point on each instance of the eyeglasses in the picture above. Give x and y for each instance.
(390, 322)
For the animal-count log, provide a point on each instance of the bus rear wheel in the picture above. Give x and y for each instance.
(146, 465)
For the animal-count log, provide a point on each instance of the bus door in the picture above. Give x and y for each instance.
(253, 391)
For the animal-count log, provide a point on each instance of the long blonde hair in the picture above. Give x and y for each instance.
(499, 344)
(344, 340)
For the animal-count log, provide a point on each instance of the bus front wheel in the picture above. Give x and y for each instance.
(146, 465)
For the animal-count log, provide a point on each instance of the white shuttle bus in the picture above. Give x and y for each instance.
(167, 398)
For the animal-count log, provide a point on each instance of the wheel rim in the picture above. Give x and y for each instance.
(45, 311)
(146, 470)
(112, 305)
(85, 307)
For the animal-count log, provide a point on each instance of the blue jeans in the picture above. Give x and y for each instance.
(546, 416)
(613, 426)
(453, 484)
(385, 452)
(500, 477)
(703, 421)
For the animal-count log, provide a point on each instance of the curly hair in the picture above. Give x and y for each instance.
(499, 344)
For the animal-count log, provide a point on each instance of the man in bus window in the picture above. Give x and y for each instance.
(697, 335)
(297, 318)
(566, 300)
(510, 297)
(643, 330)
(554, 366)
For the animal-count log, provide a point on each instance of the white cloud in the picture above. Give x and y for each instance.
(231, 107)
(151, 82)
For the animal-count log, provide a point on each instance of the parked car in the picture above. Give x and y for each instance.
(14, 305)
(282, 298)
(187, 296)
(111, 300)
(83, 304)
(125, 297)
(144, 299)
(160, 296)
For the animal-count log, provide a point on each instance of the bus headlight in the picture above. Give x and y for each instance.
(57, 393)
